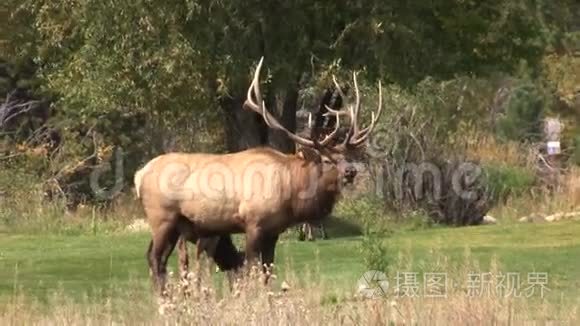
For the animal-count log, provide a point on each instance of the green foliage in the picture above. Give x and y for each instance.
(151, 54)
(456, 102)
(420, 220)
(132, 72)
(576, 153)
(366, 211)
(562, 73)
(526, 107)
(422, 149)
(504, 181)
(20, 198)
(16, 177)
(376, 255)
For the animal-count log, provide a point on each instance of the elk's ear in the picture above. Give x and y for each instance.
(309, 154)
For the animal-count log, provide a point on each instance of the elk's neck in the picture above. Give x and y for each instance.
(314, 194)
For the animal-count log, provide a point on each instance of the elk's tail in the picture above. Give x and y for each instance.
(140, 174)
(137, 180)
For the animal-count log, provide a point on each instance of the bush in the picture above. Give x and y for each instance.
(506, 181)
(366, 211)
(524, 112)
(375, 253)
(576, 150)
(421, 170)
(430, 134)
(463, 199)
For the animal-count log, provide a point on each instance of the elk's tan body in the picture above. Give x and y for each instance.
(259, 192)
(222, 194)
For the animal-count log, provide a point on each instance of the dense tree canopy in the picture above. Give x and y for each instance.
(143, 55)
(129, 68)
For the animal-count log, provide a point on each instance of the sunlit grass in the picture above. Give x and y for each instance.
(94, 264)
(103, 280)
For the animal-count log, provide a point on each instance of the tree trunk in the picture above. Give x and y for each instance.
(243, 129)
(285, 105)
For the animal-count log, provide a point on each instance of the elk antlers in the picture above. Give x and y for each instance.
(355, 137)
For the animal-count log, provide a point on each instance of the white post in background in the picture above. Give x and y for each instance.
(552, 131)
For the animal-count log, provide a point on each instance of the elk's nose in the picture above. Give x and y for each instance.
(350, 173)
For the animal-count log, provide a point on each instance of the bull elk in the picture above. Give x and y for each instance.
(259, 191)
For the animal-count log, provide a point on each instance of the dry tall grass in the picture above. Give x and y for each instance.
(560, 194)
(571, 187)
(565, 198)
(487, 149)
(250, 302)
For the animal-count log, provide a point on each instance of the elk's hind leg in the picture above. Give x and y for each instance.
(309, 231)
(187, 233)
(165, 235)
(150, 258)
(301, 232)
(323, 231)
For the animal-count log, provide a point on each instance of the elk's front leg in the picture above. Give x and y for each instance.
(310, 234)
(183, 257)
(302, 232)
(252, 246)
(323, 231)
(268, 249)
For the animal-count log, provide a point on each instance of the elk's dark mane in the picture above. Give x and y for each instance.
(316, 204)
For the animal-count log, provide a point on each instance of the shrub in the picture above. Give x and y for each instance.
(429, 134)
(576, 150)
(421, 171)
(463, 197)
(366, 211)
(524, 112)
(375, 252)
(505, 181)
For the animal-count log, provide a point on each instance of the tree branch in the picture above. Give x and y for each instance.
(10, 109)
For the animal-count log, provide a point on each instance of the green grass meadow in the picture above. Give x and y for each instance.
(95, 266)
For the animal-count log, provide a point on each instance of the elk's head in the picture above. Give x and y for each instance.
(332, 158)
